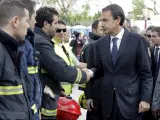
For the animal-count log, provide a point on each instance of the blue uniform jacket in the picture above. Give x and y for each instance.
(30, 68)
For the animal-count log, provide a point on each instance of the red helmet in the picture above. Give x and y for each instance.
(68, 109)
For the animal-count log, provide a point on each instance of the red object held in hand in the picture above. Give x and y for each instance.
(68, 109)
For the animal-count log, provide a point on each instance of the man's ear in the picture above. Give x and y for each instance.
(15, 21)
(94, 30)
(45, 24)
(118, 20)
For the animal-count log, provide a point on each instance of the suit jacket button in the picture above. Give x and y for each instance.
(114, 88)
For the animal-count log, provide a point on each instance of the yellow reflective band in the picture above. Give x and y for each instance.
(11, 90)
(67, 87)
(79, 76)
(43, 71)
(82, 85)
(32, 70)
(48, 112)
(65, 83)
(34, 108)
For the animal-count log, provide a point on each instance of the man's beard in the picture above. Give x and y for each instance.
(51, 35)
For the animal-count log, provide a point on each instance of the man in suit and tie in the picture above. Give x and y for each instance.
(155, 50)
(155, 37)
(122, 60)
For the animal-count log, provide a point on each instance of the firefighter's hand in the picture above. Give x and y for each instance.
(90, 105)
(63, 94)
(143, 106)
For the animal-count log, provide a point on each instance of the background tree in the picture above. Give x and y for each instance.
(67, 11)
(156, 7)
(138, 7)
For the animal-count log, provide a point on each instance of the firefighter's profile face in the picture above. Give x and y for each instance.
(53, 26)
(99, 30)
(21, 25)
(32, 21)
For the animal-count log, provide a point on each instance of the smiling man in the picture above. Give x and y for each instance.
(64, 51)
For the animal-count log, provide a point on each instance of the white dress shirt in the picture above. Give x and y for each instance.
(119, 36)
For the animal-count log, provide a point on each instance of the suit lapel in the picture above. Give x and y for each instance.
(107, 50)
(123, 44)
(153, 55)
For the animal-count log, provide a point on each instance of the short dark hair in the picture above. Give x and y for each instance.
(156, 29)
(95, 24)
(45, 14)
(128, 21)
(150, 28)
(116, 11)
(135, 29)
(9, 9)
(30, 5)
(61, 22)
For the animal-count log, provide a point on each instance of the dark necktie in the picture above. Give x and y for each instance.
(114, 50)
(67, 54)
(156, 55)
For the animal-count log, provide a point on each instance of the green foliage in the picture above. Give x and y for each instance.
(138, 6)
(82, 18)
(70, 17)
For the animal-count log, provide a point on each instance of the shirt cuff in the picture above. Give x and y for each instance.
(91, 73)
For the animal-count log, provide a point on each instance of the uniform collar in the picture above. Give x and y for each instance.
(60, 44)
(6, 39)
(41, 32)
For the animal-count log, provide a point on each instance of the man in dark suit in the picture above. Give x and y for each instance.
(93, 89)
(155, 52)
(92, 94)
(123, 61)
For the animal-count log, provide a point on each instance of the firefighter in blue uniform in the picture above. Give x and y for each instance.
(30, 63)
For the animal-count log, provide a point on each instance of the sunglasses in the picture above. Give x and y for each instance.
(60, 30)
(149, 36)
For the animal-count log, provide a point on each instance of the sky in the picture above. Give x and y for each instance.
(96, 5)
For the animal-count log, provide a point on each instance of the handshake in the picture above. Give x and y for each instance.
(89, 73)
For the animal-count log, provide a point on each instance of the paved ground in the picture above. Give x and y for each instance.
(75, 95)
